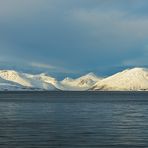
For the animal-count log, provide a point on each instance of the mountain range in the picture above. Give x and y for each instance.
(135, 79)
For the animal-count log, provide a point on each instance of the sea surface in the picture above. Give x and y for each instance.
(73, 119)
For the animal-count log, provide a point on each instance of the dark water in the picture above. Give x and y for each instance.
(73, 120)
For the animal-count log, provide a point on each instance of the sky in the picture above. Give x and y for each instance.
(72, 37)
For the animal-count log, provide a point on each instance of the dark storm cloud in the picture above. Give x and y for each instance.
(74, 35)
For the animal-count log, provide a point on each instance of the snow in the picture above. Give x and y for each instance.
(82, 83)
(26, 80)
(42, 81)
(135, 79)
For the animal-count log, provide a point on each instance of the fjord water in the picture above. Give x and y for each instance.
(73, 119)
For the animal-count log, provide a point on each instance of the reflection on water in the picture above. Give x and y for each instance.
(43, 124)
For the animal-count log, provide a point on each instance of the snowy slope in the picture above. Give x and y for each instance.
(83, 83)
(11, 87)
(135, 79)
(7, 85)
(26, 80)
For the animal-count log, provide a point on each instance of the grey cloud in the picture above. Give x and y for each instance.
(79, 34)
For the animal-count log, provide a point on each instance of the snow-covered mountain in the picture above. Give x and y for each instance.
(135, 79)
(82, 83)
(7, 85)
(27, 81)
(11, 80)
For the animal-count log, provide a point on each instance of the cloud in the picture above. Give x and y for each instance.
(41, 65)
(75, 35)
(111, 24)
(52, 68)
(140, 61)
(112, 33)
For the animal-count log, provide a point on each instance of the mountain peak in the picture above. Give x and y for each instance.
(90, 74)
(129, 79)
(139, 69)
